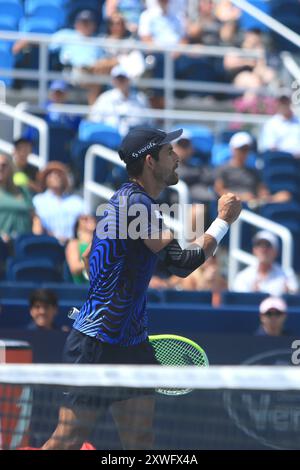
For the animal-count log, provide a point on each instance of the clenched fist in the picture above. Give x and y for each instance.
(229, 207)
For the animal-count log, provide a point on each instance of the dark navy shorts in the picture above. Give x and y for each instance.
(84, 349)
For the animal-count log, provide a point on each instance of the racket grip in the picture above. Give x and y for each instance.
(73, 313)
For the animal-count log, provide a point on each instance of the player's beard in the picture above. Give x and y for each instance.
(172, 179)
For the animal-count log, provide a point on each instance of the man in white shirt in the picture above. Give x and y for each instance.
(282, 131)
(116, 107)
(266, 275)
(160, 24)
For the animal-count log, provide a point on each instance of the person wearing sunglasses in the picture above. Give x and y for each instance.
(272, 315)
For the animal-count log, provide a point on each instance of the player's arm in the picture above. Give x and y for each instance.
(183, 262)
(86, 257)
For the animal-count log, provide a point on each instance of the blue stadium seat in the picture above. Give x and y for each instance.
(282, 178)
(287, 214)
(97, 132)
(39, 25)
(11, 290)
(53, 12)
(11, 8)
(202, 139)
(7, 61)
(35, 270)
(247, 21)
(60, 142)
(275, 158)
(242, 298)
(198, 68)
(9, 23)
(221, 155)
(39, 246)
(32, 5)
(200, 297)
(292, 300)
(287, 13)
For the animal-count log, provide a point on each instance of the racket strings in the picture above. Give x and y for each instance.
(173, 352)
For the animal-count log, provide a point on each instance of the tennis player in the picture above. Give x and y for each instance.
(111, 327)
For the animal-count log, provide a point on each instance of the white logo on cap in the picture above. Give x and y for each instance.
(143, 149)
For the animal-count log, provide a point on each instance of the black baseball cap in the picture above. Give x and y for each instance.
(140, 141)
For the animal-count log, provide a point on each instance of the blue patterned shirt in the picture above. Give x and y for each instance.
(120, 270)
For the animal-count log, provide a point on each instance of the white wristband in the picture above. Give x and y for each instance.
(218, 229)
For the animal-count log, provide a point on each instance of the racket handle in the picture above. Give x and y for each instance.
(73, 313)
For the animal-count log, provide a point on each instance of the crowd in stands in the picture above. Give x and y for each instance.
(49, 203)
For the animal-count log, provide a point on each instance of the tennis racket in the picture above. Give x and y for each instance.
(173, 350)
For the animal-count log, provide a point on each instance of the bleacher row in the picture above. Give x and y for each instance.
(48, 16)
(238, 312)
(43, 16)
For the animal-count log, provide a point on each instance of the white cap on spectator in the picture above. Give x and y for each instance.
(119, 71)
(273, 303)
(268, 236)
(240, 139)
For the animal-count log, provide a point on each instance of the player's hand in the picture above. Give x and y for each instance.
(229, 207)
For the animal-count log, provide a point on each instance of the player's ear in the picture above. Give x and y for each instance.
(149, 161)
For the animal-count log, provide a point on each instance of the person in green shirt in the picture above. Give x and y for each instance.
(83, 234)
(16, 209)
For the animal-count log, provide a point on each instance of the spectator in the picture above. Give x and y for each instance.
(79, 56)
(130, 59)
(207, 29)
(206, 277)
(116, 107)
(272, 315)
(225, 11)
(266, 275)
(75, 55)
(25, 174)
(58, 94)
(282, 131)
(161, 25)
(83, 234)
(57, 208)
(129, 9)
(43, 307)
(249, 72)
(198, 177)
(236, 177)
(16, 209)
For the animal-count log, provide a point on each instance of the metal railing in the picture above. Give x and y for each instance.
(2, 92)
(93, 189)
(41, 159)
(168, 83)
(291, 65)
(267, 20)
(169, 117)
(237, 255)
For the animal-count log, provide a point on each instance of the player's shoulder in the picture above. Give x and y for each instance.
(134, 192)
